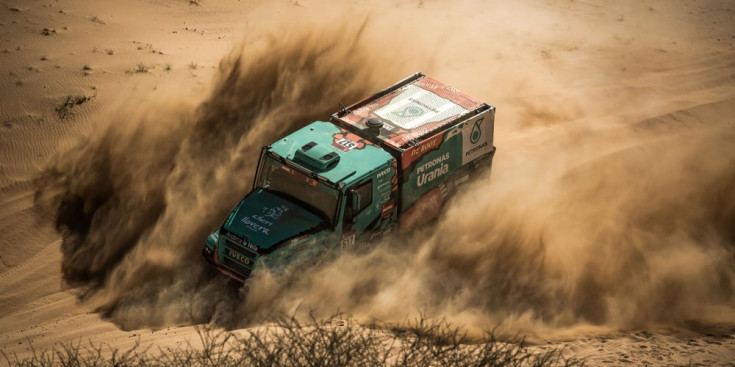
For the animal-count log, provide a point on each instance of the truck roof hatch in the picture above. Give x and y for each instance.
(317, 156)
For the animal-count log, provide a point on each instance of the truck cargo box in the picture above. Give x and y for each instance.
(433, 130)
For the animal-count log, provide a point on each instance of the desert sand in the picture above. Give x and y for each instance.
(129, 129)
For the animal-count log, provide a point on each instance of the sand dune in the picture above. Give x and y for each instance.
(128, 131)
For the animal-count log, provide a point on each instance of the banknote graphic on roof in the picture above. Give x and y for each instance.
(411, 112)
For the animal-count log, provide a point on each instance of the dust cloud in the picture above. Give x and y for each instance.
(608, 205)
(614, 242)
(135, 200)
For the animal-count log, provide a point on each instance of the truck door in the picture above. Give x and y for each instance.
(360, 212)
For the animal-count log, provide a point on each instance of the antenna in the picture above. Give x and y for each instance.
(342, 109)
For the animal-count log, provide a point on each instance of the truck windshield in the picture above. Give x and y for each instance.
(315, 195)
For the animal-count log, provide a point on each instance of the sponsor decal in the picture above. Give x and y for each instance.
(254, 226)
(251, 246)
(383, 172)
(426, 146)
(477, 135)
(476, 131)
(387, 209)
(432, 169)
(475, 149)
(262, 220)
(424, 105)
(410, 111)
(448, 92)
(238, 257)
(274, 212)
(411, 137)
(262, 223)
(233, 237)
(385, 186)
(243, 242)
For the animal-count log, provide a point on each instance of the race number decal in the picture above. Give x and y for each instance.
(346, 141)
(348, 241)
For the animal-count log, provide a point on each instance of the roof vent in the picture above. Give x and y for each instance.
(373, 125)
(317, 156)
(308, 146)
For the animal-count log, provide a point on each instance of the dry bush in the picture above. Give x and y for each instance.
(333, 342)
(64, 109)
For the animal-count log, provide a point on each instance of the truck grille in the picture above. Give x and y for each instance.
(236, 266)
(242, 260)
(241, 249)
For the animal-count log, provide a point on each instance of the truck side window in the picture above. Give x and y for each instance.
(365, 191)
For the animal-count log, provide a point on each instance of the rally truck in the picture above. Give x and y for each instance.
(386, 163)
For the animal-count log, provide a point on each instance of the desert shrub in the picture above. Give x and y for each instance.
(141, 68)
(333, 342)
(64, 109)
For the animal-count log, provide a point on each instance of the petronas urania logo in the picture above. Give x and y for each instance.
(409, 111)
(476, 132)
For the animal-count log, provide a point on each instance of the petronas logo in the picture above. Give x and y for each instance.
(476, 133)
(409, 111)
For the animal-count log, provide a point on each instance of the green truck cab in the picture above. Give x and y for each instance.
(386, 163)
